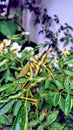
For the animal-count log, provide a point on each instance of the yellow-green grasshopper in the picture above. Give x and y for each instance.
(34, 65)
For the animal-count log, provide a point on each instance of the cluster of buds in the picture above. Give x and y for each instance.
(15, 47)
(65, 52)
(4, 43)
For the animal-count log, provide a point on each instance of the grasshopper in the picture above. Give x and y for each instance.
(34, 65)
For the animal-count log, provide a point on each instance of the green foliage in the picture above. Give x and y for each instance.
(5, 108)
(57, 126)
(19, 121)
(69, 120)
(8, 28)
(35, 103)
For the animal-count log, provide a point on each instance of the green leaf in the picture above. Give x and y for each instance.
(69, 61)
(10, 117)
(67, 86)
(62, 103)
(49, 99)
(33, 123)
(51, 118)
(57, 126)
(21, 80)
(59, 84)
(1, 125)
(60, 63)
(67, 105)
(17, 107)
(56, 99)
(6, 107)
(66, 128)
(8, 28)
(7, 76)
(41, 117)
(53, 86)
(70, 56)
(4, 119)
(5, 87)
(68, 72)
(19, 120)
(9, 79)
(3, 62)
(40, 127)
(47, 82)
(26, 116)
(7, 73)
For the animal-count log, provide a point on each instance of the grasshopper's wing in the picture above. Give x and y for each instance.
(24, 71)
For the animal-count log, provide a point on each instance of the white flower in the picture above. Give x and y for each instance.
(6, 50)
(16, 48)
(30, 49)
(6, 42)
(19, 55)
(25, 33)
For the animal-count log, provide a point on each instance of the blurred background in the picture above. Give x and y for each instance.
(29, 14)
